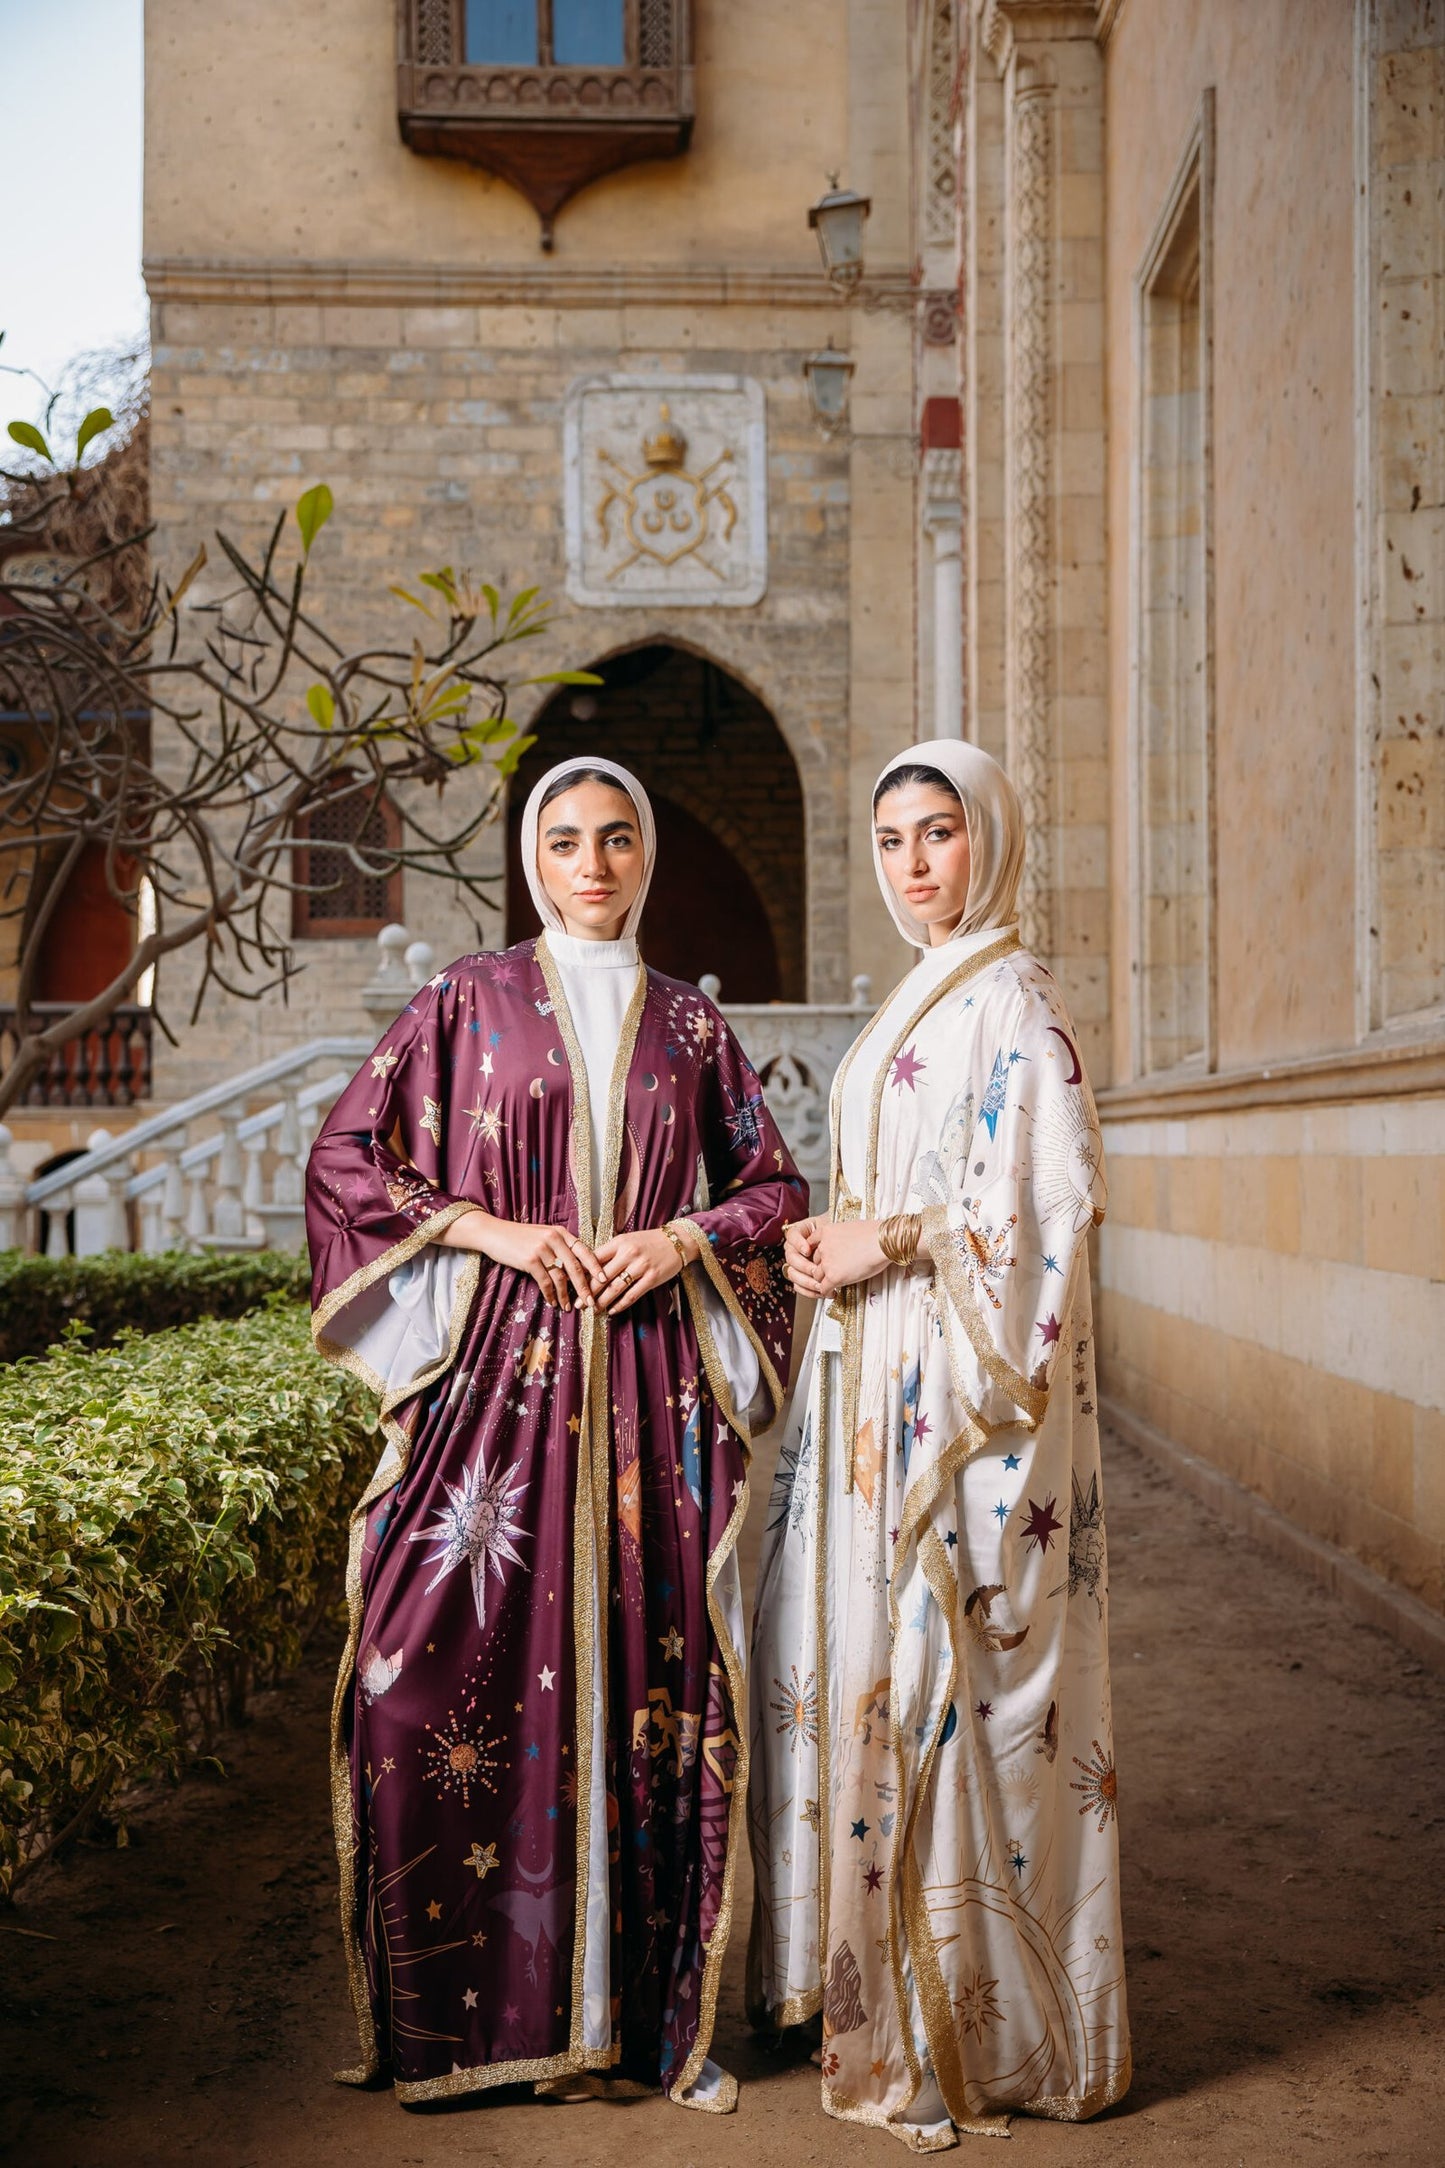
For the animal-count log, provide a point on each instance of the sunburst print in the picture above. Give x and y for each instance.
(459, 1761)
(1019, 1786)
(976, 2006)
(1099, 1785)
(797, 1711)
(475, 1529)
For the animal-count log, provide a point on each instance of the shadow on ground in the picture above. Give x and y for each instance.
(1283, 1826)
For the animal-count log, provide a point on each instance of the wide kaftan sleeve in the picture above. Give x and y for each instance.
(1009, 1238)
(749, 1192)
(385, 1303)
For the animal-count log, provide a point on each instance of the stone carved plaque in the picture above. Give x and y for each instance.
(666, 481)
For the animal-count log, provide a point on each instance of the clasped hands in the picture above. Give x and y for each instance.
(569, 1271)
(823, 1255)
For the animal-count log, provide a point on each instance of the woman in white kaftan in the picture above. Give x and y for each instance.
(933, 1792)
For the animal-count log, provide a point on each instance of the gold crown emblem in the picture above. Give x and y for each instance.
(667, 446)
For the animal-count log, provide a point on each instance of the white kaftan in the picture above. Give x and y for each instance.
(933, 1789)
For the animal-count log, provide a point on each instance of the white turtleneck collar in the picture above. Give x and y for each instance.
(572, 954)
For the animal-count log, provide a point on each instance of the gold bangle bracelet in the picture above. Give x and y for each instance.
(898, 1237)
(679, 1245)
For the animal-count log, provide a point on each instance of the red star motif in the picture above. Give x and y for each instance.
(1041, 1524)
(1050, 1330)
(874, 1880)
(907, 1067)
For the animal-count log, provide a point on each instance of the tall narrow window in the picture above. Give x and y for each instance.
(1173, 722)
(560, 33)
(341, 859)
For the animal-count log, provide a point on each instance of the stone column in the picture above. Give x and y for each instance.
(943, 526)
(1050, 171)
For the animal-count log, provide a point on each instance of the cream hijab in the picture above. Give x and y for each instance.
(547, 910)
(995, 822)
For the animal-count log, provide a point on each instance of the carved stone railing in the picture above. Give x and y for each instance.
(225, 1169)
(109, 1067)
(796, 1047)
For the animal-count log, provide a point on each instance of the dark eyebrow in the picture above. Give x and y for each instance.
(622, 826)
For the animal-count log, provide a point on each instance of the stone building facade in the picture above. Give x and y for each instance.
(1201, 253)
(1154, 512)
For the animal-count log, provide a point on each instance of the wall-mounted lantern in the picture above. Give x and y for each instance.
(828, 373)
(837, 219)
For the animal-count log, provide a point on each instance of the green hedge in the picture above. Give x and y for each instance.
(173, 1515)
(119, 1291)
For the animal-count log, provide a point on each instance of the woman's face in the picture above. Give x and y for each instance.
(923, 842)
(589, 858)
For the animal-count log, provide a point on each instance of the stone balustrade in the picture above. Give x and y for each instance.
(225, 1169)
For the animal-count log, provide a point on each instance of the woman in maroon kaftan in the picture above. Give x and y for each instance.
(540, 1743)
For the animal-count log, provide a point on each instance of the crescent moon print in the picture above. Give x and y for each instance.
(1069, 1164)
(536, 1087)
(1078, 1074)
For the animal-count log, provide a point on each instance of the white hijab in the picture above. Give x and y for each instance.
(995, 823)
(547, 911)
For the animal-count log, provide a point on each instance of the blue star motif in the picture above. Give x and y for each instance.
(1017, 1861)
(534, 1752)
(1010, 1460)
(968, 1004)
(951, 1539)
(860, 1830)
(551, 1814)
(1000, 1513)
(1051, 1264)
(1017, 1055)
(494, 1038)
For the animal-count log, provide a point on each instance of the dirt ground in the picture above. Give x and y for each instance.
(1283, 1827)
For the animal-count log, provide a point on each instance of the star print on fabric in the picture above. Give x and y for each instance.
(440, 983)
(475, 1529)
(486, 1065)
(380, 1063)
(469, 1998)
(486, 1122)
(907, 1068)
(1050, 1329)
(983, 1710)
(1051, 1264)
(893, 1535)
(544, 1678)
(431, 1118)
(921, 1427)
(1017, 1860)
(951, 1539)
(1010, 1461)
(1042, 1523)
(1000, 1513)
(873, 1878)
(479, 1940)
(433, 1910)
(860, 1830)
(671, 1644)
(573, 1425)
(534, 1752)
(511, 2015)
(483, 1858)
(1017, 1055)
(993, 1097)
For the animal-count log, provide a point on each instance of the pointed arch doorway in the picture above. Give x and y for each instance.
(728, 893)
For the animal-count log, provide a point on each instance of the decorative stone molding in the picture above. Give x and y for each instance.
(940, 181)
(1028, 335)
(552, 286)
(1008, 21)
(666, 491)
(943, 526)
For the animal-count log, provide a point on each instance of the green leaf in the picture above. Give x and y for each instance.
(320, 700)
(492, 599)
(444, 582)
(27, 434)
(64, 1628)
(96, 422)
(416, 602)
(566, 677)
(520, 602)
(313, 510)
(507, 762)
